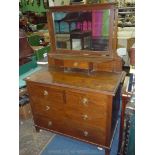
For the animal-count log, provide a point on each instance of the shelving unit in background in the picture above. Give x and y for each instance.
(126, 16)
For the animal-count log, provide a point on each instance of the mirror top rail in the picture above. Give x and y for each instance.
(81, 7)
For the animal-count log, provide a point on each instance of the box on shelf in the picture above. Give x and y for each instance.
(34, 41)
(40, 51)
(63, 41)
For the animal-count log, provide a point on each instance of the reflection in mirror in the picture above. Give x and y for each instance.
(87, 30)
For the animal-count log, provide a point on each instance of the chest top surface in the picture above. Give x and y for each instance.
(102, 82)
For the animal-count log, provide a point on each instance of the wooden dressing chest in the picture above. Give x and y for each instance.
(78, 105)
(78, 94)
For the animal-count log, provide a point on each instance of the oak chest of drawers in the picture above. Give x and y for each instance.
(74, 105)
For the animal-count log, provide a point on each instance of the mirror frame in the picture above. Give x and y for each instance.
(85, 7)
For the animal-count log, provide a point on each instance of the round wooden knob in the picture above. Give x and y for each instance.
(47, 108)
(75, 64)
(49, 123)
(45, 92)
(85, 100)
(85, 133)
(85, 117)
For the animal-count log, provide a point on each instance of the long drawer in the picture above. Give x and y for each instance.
(41, 93)
(72, 128)
(98, 120)
(87, 102)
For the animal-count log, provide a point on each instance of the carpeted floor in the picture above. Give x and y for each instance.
(61, 145)
(30, 141)
(47, 143)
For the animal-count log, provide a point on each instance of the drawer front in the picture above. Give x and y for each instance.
(45, 94)
(88, 118)
(86, 132)
(72, 128)
(87, 102)
(76, 64)
(47, 109)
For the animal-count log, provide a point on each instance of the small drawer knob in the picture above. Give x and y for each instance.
(45, 92)
(47, 108)
(85, 117)
(49, 123)
(85, 101)
(85, 133)
(75, 64)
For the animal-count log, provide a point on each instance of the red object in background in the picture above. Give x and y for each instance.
(132, 56)
(25, 50)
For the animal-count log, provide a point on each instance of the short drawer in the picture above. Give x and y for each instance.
(46, 109)
(45, 94)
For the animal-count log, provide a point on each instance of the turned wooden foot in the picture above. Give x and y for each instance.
(37, 129)
(107, 152)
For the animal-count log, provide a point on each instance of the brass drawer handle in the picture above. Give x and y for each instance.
(47, 108)
(45, 92)
(85, 117)
(75, 64)
(85, 101)
(85, 133)
(49, 123)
